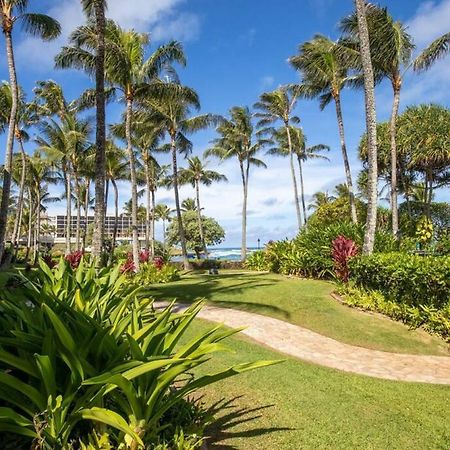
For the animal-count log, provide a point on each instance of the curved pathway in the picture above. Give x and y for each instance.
(315, 348)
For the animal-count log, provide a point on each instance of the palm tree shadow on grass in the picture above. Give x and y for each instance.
(208, 288)
(230, 415)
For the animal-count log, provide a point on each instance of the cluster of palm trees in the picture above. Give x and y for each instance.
(160, 114)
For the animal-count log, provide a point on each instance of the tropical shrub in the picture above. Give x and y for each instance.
(155, 273)
(405, 278)
(343, 249)
(433, 320)
(74, 258)
(257, 261)
(79, 348)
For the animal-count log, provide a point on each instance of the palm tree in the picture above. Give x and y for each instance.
(65, 144)
(278, 106)
(371, 125)
(319, 199)
(12, 12)
(303, 153)
(325, 73)
(195, 174)
(129, 72)
(173, 112)
(391, 47)
(164, 213)
(188, 204)
(436, 50)
(236, 141)
(116, 170)
(25, 118)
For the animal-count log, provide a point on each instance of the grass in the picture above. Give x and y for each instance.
(303, 302)
(297, 405)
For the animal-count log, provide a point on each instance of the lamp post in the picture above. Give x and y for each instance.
(259, 243)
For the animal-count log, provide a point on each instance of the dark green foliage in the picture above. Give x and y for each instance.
(257, 261)
(405, 278)
(150, 274)
(85, 358)
(309, 254)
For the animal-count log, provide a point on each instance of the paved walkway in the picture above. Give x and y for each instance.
(313, 347)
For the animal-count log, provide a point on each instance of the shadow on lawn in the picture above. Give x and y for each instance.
(229, 415)
(208, 287)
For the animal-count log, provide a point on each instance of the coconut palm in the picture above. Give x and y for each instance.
(302, 152)
(279, 106)
(66, 144)
(391, 48)
(325, 73)
(164, 213)
(117, 169)
(436, 50)
(196, 174)
(12, 12)
(371, 125)
(319, 199)
(25, 118)
(129, 72)
(235, 141)
(188, 204)
(173, 112)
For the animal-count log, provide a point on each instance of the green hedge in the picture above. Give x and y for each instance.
(405, 278)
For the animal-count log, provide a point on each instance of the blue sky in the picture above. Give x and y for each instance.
(237, 49)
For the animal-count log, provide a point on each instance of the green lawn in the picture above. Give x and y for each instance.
(303, 302)
(296, 405)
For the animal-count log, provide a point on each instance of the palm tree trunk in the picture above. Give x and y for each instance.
(152, 230)
(78, 224)
(106, 196)
(164, 233)
(199, 218)
(244, 176)
(100, 139)
(18, 220)
(186, 264)
(294, 178)
(86, 212)
(371, 124)
(4, 205)
(68, 213)
(302, 188)
(348, 173)
(149, 206)
(134, 196)
(30, 224)
(38, 225)
(116, 212)
(396, 84)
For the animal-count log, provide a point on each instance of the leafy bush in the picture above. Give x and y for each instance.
(257, 261)
(343, 250)
(309, 254)
(405, 278)
(80, 347)
(152, 273)
(435, 321)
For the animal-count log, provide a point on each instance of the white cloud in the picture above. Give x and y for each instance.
(430, 21)
(158, 17)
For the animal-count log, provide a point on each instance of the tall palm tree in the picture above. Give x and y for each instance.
(325, 73)
(65, 144)
(371, 125)
(129, 72)
(188, 204)
(279, 106)
(12, 12)
(302, 152)
(196, 174)
(25, 118)
(117, 169)
(236, 136)
(436, 50)
(173, 111)
(391, 48)
(164, 213)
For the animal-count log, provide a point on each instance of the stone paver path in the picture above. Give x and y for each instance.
(313, 347)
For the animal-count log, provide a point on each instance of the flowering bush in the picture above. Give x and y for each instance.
(342, 250)
(144, 256)
(158, 262)
(74, 258)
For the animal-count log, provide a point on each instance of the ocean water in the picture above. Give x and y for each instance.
(224, 254)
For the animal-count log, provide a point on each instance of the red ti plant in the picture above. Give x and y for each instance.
(128, 266)
(144, 256)
(74, 258)
(343, 249)
(158, 262)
